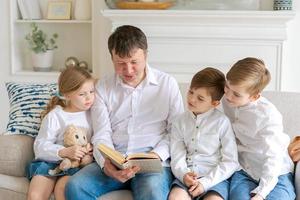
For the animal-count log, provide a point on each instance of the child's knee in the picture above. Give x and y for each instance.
(35, 195)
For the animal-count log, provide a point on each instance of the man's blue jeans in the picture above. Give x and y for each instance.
(242, 184)
(91, 183)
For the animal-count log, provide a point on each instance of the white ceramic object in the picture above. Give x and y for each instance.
(82, 9)
(42, 61)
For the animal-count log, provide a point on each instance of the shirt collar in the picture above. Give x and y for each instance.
(199, 117)
(249, 105)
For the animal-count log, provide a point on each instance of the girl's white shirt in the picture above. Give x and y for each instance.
(262, 144)
(204, 144)
(50, 138)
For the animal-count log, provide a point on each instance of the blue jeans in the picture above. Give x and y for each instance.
(91, 183)
(242, 184)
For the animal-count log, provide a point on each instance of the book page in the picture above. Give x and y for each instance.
(146, 165)
(141, 155)
(113, 155)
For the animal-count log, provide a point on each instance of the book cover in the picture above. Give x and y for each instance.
(148, 163)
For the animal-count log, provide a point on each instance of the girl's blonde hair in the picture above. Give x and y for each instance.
(70, 80)
(251, 73)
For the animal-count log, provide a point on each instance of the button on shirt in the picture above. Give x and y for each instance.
(137, 119)
(262, 144)
(204, 144)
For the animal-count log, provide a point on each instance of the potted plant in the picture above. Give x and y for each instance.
(42, 48)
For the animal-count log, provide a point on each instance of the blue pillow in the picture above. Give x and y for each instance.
(27, 101)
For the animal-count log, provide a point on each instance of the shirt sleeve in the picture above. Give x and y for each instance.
(45, 146)
(229, 160)
(275, 148)
(178, 153)
(101, 124)
(175, 108)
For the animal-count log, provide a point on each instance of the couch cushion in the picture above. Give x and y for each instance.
(288, 105)
(27, 101)
(14, 184)
(117, 195)
(16, 152)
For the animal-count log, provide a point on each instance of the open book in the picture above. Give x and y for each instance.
(148, 162)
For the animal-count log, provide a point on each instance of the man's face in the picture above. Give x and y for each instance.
(237, 96)
(130, 69)
(199, 101)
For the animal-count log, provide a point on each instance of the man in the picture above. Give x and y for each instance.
(133, 112)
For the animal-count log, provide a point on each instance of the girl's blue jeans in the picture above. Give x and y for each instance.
(91, 182)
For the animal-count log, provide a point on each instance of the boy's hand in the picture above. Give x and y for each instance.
(257, 197)
(190, 179)
(75, 152)
(120, 175)
(196, 190)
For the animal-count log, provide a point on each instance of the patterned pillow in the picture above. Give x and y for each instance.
(27, 101)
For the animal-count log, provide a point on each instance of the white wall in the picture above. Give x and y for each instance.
(290, 73)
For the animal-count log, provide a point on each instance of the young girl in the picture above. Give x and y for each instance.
(70, 106)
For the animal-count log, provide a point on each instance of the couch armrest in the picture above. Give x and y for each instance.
(16, 151)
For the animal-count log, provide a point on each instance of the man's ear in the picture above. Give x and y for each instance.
(255, 97)
(215, 103)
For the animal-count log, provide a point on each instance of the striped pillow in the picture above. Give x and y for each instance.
(27, 101)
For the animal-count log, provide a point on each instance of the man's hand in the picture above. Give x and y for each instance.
(190, 179)
(257, 197)
(120, 175)
(196, 190)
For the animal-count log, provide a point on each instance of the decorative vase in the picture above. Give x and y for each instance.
(82, 10)
(42, 61)
(282, 5)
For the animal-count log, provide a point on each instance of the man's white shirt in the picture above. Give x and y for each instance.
(262, 144)
(204, 144)
(137, 119)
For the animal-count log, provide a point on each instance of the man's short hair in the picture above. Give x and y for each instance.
(125, 39)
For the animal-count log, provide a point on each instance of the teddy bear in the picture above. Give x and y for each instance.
(74, 135)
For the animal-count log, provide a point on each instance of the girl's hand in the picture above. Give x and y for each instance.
(89, 148)
(74, 152)
(190, 179)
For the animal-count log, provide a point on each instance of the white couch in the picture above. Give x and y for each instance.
(16, 151)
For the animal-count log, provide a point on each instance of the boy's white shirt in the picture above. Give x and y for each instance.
(204, 144)
(137, 119)
(50, 137)
(262, 144)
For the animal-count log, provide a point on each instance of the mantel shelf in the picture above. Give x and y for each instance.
(193, 16)
(205, 23)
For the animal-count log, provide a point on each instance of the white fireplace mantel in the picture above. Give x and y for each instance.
(181, 42)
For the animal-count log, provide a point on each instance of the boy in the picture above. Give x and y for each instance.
(262, 144)
(203, 147)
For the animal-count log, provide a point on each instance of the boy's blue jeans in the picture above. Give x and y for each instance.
(91, 183)
(242, 184)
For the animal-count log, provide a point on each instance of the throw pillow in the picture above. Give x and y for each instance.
(27, 101)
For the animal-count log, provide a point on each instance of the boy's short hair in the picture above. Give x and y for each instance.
(212, 79)
(251, 73)
(125, 39)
